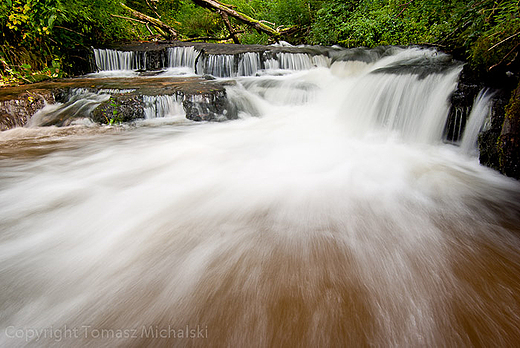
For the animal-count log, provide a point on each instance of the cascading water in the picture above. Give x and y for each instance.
(334, 217)
(162, 105)
(480, 111)
(218, 65)
(182, 57)
(107, 60)
(249, 64)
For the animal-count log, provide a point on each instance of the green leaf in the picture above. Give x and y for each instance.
(51, 20)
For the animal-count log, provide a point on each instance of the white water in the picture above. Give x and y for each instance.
(479, 112)
(79, 106)
(107, 59)
(335, 218)
(163, 106)
(113, 63)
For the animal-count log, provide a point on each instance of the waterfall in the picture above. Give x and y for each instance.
(330, 213)
(479, 112)
(218, 65)
(249, 64)
(162, 106)
(181, 57)
(416, 108)
(107, 60)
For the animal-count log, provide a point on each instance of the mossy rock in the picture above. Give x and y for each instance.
(509, 140)
(119, 108)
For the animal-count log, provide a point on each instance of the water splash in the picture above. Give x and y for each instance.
(80, 105)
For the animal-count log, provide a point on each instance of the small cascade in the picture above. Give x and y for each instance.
(157, 106)
(218, 65)
(181, 57)
(249, 64)
(476, 122)
(221, 65)
(107, 60)
(413, 105)
(321, 61)
(282, 92)
(79, 105)
(456, 124)
(83, 91)
(381, 94)
(297, 61)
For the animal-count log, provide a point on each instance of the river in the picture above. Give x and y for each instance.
(331, 213)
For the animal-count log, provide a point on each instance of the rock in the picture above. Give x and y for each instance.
(119, 108)
(16, 112)
(203, 99)
(499, 144)
(489, 148)
(461, 102)
(208, 107)
(509, 139)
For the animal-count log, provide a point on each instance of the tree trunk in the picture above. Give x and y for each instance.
(217, 6)
(164, 29)
(232, 32)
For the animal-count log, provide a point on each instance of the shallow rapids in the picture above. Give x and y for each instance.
(330, 214)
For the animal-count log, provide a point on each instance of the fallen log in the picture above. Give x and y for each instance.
(216, 6)
(162, 28)
(210, 38)
(230, 28)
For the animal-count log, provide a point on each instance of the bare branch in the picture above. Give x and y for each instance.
(214, 5)
(501, 42)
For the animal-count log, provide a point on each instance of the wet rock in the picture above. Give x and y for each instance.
(208, 107)
(17, 111)
(155, 60)
(509, 139)
(499, 143)
(119, 108)
(488, 140)
(461, 102)
(203, 99)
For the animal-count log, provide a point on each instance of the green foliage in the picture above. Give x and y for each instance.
(113, 117)
(38, 33)
(329, 26)
(499, 27)
(194, 21)
(32, 19)
(484, 30)
(253, 37)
